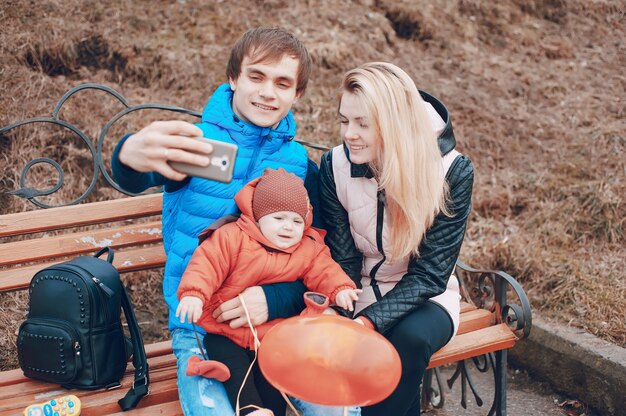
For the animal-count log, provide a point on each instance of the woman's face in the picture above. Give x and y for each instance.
(357, 130)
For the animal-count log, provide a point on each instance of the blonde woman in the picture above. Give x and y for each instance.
(396, 197)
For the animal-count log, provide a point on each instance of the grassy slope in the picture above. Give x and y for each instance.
(535, 89)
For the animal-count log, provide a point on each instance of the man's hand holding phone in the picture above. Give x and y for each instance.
(151, 148)
(221, 162)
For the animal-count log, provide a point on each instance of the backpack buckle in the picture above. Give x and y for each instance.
(145, 384)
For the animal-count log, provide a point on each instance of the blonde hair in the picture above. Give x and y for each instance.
(409, 167)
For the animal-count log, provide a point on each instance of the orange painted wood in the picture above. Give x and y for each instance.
(466, 307)
(82, 214)
(29, 391)
(125, 261)
(9, 377)
(475, 319)
(169, 409)
(157, 353)
(99, 402)
(160, 367)
(159, 348)
(79, 243)
(103, 404)
(472, 344)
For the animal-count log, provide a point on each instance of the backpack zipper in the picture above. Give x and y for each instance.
(107, 290)
(96, 300)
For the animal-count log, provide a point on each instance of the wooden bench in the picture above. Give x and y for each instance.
(139, 246)
(31, 240)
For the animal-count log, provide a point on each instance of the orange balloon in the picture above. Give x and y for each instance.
(329, 360)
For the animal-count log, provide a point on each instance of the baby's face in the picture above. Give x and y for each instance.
(282, 228)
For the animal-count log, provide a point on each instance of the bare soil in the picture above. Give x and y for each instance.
(535, 89)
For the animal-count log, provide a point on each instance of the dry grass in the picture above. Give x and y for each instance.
(535, 89)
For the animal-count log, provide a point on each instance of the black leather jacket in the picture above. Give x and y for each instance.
(426, 276)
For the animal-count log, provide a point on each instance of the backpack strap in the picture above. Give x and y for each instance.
(141, 383)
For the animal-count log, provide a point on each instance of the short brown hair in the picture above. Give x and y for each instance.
(270, 44)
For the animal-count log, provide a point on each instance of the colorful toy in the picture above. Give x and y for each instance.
(68, 405)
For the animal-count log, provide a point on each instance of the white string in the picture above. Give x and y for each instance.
(257, 344)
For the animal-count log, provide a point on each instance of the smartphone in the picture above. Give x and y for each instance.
(220, 167)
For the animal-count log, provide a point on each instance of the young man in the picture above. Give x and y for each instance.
(268, 71)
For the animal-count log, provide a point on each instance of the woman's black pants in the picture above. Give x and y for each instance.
(416, 338)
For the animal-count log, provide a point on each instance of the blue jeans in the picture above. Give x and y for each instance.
(197, 395)
(201, 396)
(309, 409)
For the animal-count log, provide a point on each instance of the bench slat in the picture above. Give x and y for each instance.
(79, 243)
(99, 402)
(161, 377)
(82, 214)
(25, 386)
(482, 341)
(169, 408)
(125, 261)
(476, 319)
(466, 307)
(104, 404)
(154, 350)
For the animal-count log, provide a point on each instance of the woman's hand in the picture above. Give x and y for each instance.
(232, 311)
(189, 306)
(345, 298)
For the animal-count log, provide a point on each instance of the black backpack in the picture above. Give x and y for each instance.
(73, 334)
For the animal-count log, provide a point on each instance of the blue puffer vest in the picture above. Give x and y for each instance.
(190, 209)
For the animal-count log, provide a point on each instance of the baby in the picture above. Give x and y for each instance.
(271, 242)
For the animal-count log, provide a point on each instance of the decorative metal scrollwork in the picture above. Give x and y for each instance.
(489, 292)
(31, 194)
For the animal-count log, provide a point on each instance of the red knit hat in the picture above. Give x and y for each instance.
(279, 190)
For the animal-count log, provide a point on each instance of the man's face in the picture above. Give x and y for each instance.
(283, 228)
(264, 92)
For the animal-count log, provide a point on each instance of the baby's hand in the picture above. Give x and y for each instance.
(346, 297)
(189, 306)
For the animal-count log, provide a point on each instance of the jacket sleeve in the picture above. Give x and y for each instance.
(312, 185)
(209, 266)
(326, 276)
(338, 237)
(428, 275)
(284, 300)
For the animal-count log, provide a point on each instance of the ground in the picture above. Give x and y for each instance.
(535, 89)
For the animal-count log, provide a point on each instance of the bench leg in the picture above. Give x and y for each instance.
(500, 378)
(432, 394)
